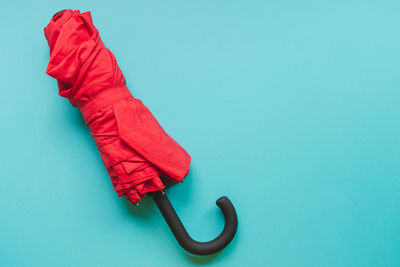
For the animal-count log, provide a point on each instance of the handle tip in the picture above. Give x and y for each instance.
(222, 200)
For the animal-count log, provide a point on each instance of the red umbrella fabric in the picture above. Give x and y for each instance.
(139, 155)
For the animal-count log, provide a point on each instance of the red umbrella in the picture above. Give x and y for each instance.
(139, 155)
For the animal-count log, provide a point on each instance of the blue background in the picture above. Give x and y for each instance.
(290, 108)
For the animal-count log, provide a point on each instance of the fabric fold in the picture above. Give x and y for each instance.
(139, 129)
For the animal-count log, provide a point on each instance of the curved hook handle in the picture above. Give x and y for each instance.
(182, 236)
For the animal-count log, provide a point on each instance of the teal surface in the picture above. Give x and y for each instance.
(290, 108)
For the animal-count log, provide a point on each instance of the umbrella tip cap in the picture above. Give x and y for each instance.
(59, 12)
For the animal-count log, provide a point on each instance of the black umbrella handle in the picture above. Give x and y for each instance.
(182, 236)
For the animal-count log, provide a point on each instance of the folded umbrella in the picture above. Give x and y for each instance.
(139, 155)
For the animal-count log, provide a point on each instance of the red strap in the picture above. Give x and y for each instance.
(103, 100)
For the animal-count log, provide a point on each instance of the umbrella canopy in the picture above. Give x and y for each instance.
(139, 155)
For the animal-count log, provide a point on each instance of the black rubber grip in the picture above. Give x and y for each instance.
(181, 235)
